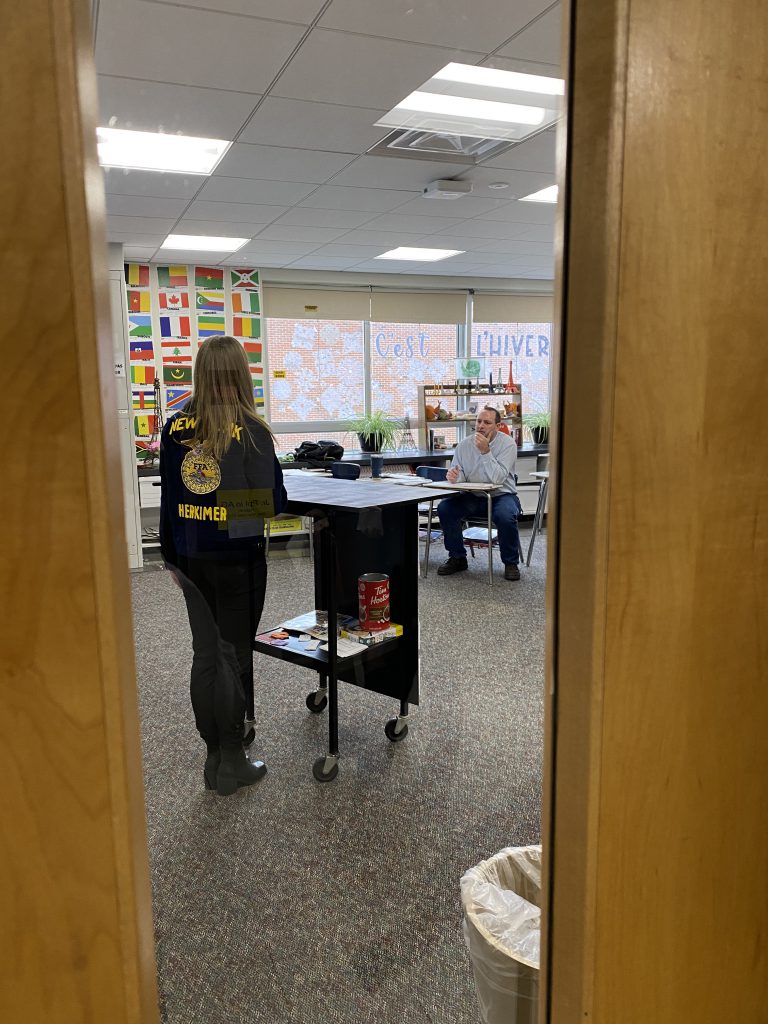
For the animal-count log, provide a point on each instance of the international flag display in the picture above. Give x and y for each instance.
(142, 374)
(209, 277)
(245, 278)
(210, 300)
(246, 302)
(253, 351)
(139, 326)
(142, 350)
(175, 327)
(246, 326)
(144, 399)
(137, 275)
(174, 300)
(144, 426)
(208, 326)
(138, 302)
(172, 277)
(175, 398)
(174, 373)
(258, 393)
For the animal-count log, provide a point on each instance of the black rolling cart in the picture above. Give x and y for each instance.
(360, 526)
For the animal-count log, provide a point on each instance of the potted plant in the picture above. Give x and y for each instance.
(538, 424)
(376, 431)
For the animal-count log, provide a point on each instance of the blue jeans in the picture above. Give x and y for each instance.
(506, 508)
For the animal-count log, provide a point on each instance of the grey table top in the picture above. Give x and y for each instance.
(309, 489)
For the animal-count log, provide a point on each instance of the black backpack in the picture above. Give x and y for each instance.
(318, 454)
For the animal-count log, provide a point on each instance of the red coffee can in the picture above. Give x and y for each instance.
(373, 600)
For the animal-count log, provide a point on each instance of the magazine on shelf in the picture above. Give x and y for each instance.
(308, 623)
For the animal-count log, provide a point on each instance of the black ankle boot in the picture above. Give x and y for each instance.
(211, 767)
(236, 770)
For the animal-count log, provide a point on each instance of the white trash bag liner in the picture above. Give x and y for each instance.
(502, 929)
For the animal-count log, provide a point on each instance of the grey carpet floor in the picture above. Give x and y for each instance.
(295, 901)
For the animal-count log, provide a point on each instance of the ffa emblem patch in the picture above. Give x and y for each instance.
(200, 473)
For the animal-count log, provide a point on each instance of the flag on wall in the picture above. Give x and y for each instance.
(144, 399)
(246, 327)
(207, 326)
(142, 374)
(139, 326)
(138, 302)
(176, 397)
(174, 300)
(173, 373)
(210, 300)
(245, 278)
(142, 349)
(175, 327)
(172, 277)
(176, 351)
(144, 426)
(258, 392)
(137, 274)
(209, 277)
(253, 351)
(245, 302)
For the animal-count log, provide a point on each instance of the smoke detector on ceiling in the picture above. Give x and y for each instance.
(447, 189)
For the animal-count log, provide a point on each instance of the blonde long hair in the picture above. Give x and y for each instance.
(222, 395)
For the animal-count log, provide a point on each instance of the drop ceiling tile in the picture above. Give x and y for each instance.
(323, 263)
(527, 67)
(219, 228)
(334, 67)
(151, 183)
(523, 213)
(157, 107)
(386, 239)
(205, 259)
(375, 200)
(304, 216)
(300, 11)
(272, 249)
(141, 225)
(540, 41)
(249, 213)
(138, 252)
(479, 26)
(536, 154)
(391, 172)
(145, 206)
(128, 237)
(459, 209)
(289, 233)
(182, 46)
(280, 164)
(484, 229)
(521, 183)
(347, 249)
(305, 124)
(399, 222)
(249, 190)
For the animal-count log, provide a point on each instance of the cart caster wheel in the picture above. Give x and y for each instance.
(315, 705)
(391, 731)
(318, 770)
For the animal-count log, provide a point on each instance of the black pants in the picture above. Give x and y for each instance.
(224, 600)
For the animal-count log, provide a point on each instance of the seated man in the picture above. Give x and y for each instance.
(487, 456)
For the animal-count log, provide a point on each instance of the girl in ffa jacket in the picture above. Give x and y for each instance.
(219, 480)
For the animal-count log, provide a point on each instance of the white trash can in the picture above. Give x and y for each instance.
(502, 929)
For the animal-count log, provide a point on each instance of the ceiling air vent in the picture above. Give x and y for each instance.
(430, 145)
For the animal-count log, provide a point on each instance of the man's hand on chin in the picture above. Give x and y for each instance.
(482, 444)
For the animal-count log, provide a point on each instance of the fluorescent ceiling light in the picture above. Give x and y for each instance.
(151, 151)
(404, 252)
(203, 243)
(544, 195)
(482, 103)
(470, 74)
(475, 110)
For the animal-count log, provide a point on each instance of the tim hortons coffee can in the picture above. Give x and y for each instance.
(373, 600)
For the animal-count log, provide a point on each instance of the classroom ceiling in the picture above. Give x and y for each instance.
(297, 86)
